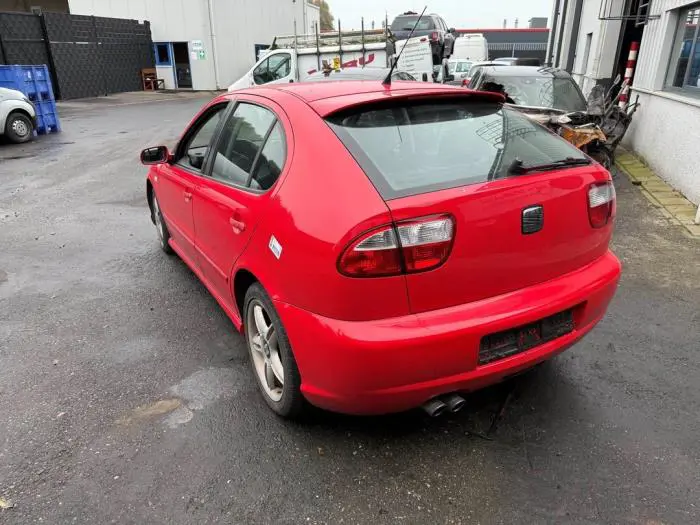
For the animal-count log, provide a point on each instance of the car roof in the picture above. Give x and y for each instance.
(527, 71)
(489, 63)
(330, 97)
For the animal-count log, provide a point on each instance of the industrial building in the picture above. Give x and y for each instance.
(593, 39)
(207, 44)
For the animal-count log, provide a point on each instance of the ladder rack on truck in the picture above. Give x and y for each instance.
(339, 42)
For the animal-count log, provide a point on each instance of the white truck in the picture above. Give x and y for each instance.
(293, 58)
(471, 47)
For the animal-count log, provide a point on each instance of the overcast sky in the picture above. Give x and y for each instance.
(457, 13)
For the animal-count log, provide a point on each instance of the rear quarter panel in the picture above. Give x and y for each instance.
(324, 202)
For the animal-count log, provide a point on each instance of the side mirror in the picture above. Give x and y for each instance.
(196, 159)
(157, 155)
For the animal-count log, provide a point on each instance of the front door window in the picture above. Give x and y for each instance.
(276, 67)
(196, 146)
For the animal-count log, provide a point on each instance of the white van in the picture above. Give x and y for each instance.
(293, 58)
(472, 47)
(416, 58)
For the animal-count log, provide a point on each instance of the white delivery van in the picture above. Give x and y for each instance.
(416, 58)
(293, 58)
(471, 47)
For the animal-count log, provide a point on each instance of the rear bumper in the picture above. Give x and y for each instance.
(390, 365)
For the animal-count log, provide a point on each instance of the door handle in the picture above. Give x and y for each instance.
(236, 225)
(187, 195)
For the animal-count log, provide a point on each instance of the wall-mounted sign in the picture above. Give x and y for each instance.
(197, 45)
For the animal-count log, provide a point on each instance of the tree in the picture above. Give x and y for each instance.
(327, 19)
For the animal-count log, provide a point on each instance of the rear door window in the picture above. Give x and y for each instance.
(271, 160)
(251, 150)
(412, 148)
(241, 139)
(406, 23)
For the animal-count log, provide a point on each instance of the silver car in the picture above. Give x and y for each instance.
(17, 116)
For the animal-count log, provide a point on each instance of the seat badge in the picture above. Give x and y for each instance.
(275, 247)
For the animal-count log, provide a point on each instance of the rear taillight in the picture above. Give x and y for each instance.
(411, 246)
(434, 36)
(465, 82)
(601, 203)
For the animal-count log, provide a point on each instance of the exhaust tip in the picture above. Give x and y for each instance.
(454, 402)
(434, 407)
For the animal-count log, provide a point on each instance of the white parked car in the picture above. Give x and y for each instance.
(17, 116)
(478, 66)
(459, 67)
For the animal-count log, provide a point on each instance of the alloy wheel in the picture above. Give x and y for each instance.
(158, 219)
(265, 351)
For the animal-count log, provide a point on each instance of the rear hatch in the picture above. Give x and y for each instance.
(517, 195)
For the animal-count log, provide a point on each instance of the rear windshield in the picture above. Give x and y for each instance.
(406, 23)
(459, 67)
(545, 91)
(426, 146)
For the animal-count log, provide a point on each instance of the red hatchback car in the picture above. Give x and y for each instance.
(384, 248)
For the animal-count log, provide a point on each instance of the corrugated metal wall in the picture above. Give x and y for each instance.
(87, 56)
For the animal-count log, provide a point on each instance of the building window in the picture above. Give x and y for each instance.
(163, 55)
(684, 72)
(587, 53)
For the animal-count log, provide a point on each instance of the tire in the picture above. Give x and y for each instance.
(271, 356)
(19, 128)
(161, 227)
(602, 155)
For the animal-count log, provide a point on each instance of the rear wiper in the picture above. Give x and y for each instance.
(518, 168)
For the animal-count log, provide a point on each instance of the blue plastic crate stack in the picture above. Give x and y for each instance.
(35, 83)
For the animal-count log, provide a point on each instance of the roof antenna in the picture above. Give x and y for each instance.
(387, 80)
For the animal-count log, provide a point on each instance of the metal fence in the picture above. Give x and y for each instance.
(88, 56)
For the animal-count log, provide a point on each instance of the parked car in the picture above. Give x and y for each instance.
(17, 116)
(433, 26)
(356, 73)
(508, 61)
(413, 249)
(519, 61)
(478, 66)
(472, 47)
(534, 87)
(459, 68)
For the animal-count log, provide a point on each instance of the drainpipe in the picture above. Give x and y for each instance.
(214, 52)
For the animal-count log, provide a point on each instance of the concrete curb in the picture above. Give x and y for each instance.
(678, 210)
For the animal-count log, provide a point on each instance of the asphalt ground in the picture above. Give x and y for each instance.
(126, 395)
